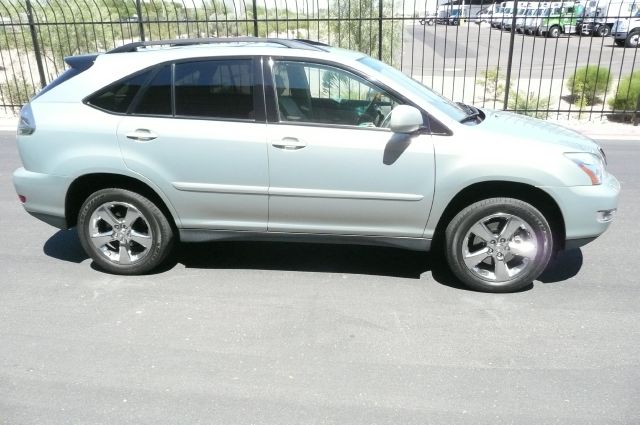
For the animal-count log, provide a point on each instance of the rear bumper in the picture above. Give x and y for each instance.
(45, 195)
(587, 210)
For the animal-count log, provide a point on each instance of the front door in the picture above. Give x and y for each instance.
(333, 166)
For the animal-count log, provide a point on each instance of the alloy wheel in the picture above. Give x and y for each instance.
(499, 247)
(120, 232)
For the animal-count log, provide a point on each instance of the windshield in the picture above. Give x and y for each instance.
(438, 101)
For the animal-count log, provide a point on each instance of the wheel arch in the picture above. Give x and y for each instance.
(83, 186)
(504, 189)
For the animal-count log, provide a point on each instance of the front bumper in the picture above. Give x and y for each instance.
(587, 210)
(45, 195)
(620, 35)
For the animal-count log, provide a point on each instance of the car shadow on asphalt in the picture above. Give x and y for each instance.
(64, 245)
(308, 257)
(564, 266)
(305, 257)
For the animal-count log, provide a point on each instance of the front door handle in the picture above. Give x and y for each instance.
(141, 135)
(289, 143)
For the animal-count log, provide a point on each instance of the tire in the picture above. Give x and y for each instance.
(553, 32)
(633, 39)
(603, 31)
(124, 232)
(499, 264)
(620, 42)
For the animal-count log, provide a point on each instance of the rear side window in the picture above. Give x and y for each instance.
(215, 89)
(156, 97)
(118, 96)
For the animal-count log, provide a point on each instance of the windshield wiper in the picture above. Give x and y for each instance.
(473, 113)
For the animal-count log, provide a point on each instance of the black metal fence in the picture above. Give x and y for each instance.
(454, 49)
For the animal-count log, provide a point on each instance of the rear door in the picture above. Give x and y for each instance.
(197, 130)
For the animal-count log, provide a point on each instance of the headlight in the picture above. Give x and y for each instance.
(592, 165)
(622, 25)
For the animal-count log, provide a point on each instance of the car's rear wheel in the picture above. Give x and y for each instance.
(124, 232)
(603, 31)
(498, 244)
(553, 32)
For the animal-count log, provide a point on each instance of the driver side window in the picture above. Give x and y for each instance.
(316, 93)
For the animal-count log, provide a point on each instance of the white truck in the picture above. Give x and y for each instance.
(499, 17)
(603, 15)
(626, 31)
(534, 9)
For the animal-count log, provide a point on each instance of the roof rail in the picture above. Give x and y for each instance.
(293, 44)
(312, 42)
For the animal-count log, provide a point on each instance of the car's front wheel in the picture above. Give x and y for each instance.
(124, 232)
(498, 244)
(633, 39)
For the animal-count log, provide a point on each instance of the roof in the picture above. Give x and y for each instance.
(237, 41)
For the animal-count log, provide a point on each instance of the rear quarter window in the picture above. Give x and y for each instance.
(118, 96)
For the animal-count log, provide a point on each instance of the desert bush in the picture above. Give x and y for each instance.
(529, 104)
(16, 91)
(626, 97)
(588, 83)
(493, 82)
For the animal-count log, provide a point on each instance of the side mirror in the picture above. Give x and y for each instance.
(405, 119)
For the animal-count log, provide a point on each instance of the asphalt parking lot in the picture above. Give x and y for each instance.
(466, 50)
(263, 333)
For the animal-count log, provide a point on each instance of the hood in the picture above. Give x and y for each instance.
(521, 128)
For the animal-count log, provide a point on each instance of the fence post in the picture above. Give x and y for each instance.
(36, 45)
(140, 25)
(379, 29)
(636, 114)
(255, 19)
(510, 59)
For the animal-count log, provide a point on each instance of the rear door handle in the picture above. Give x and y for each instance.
(289, 143)
(141, 135)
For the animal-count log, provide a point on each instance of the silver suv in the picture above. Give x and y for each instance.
(269, 139)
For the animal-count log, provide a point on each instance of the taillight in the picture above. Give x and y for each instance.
(27, 123)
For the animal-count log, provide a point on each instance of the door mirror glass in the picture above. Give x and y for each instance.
(405, 119)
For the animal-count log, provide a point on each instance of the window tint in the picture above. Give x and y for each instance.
(322, 94)
(117, 97)
(156, 98)
(215, 88)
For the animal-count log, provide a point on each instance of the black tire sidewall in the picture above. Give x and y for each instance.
(160, 228)
(462, 222)
(627, 42)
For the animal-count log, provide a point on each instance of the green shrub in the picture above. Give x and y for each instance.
(16, 91)
(493, 82)
(588, 83)
(527, 104)
(626, 97)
